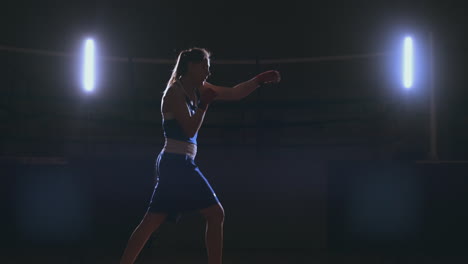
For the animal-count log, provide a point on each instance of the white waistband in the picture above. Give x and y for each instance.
(180, 147)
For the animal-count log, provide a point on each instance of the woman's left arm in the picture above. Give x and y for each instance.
(243, 89)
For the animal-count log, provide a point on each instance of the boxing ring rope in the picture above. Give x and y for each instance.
(229, 62)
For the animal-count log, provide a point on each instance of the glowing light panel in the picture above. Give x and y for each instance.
(89, 65)
(408, 62)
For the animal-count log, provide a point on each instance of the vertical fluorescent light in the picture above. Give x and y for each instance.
(408, 62)
(89, 65)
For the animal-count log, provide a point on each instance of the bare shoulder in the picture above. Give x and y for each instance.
(171, 97)
(172, 91)
(207, 85)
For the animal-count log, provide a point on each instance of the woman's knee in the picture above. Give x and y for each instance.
(214, 213)
(153, 220)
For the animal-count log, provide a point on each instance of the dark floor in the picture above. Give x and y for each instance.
(231, 256)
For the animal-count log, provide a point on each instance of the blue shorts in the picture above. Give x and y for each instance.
(180, 186)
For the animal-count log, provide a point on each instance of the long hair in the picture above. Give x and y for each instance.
(186, 56)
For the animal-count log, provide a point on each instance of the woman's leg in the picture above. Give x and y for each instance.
(214, 216)
(150, 222)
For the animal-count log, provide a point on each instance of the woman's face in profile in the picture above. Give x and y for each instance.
(200, 70)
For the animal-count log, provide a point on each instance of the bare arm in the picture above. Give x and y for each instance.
(243, 89)
(233, 93)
